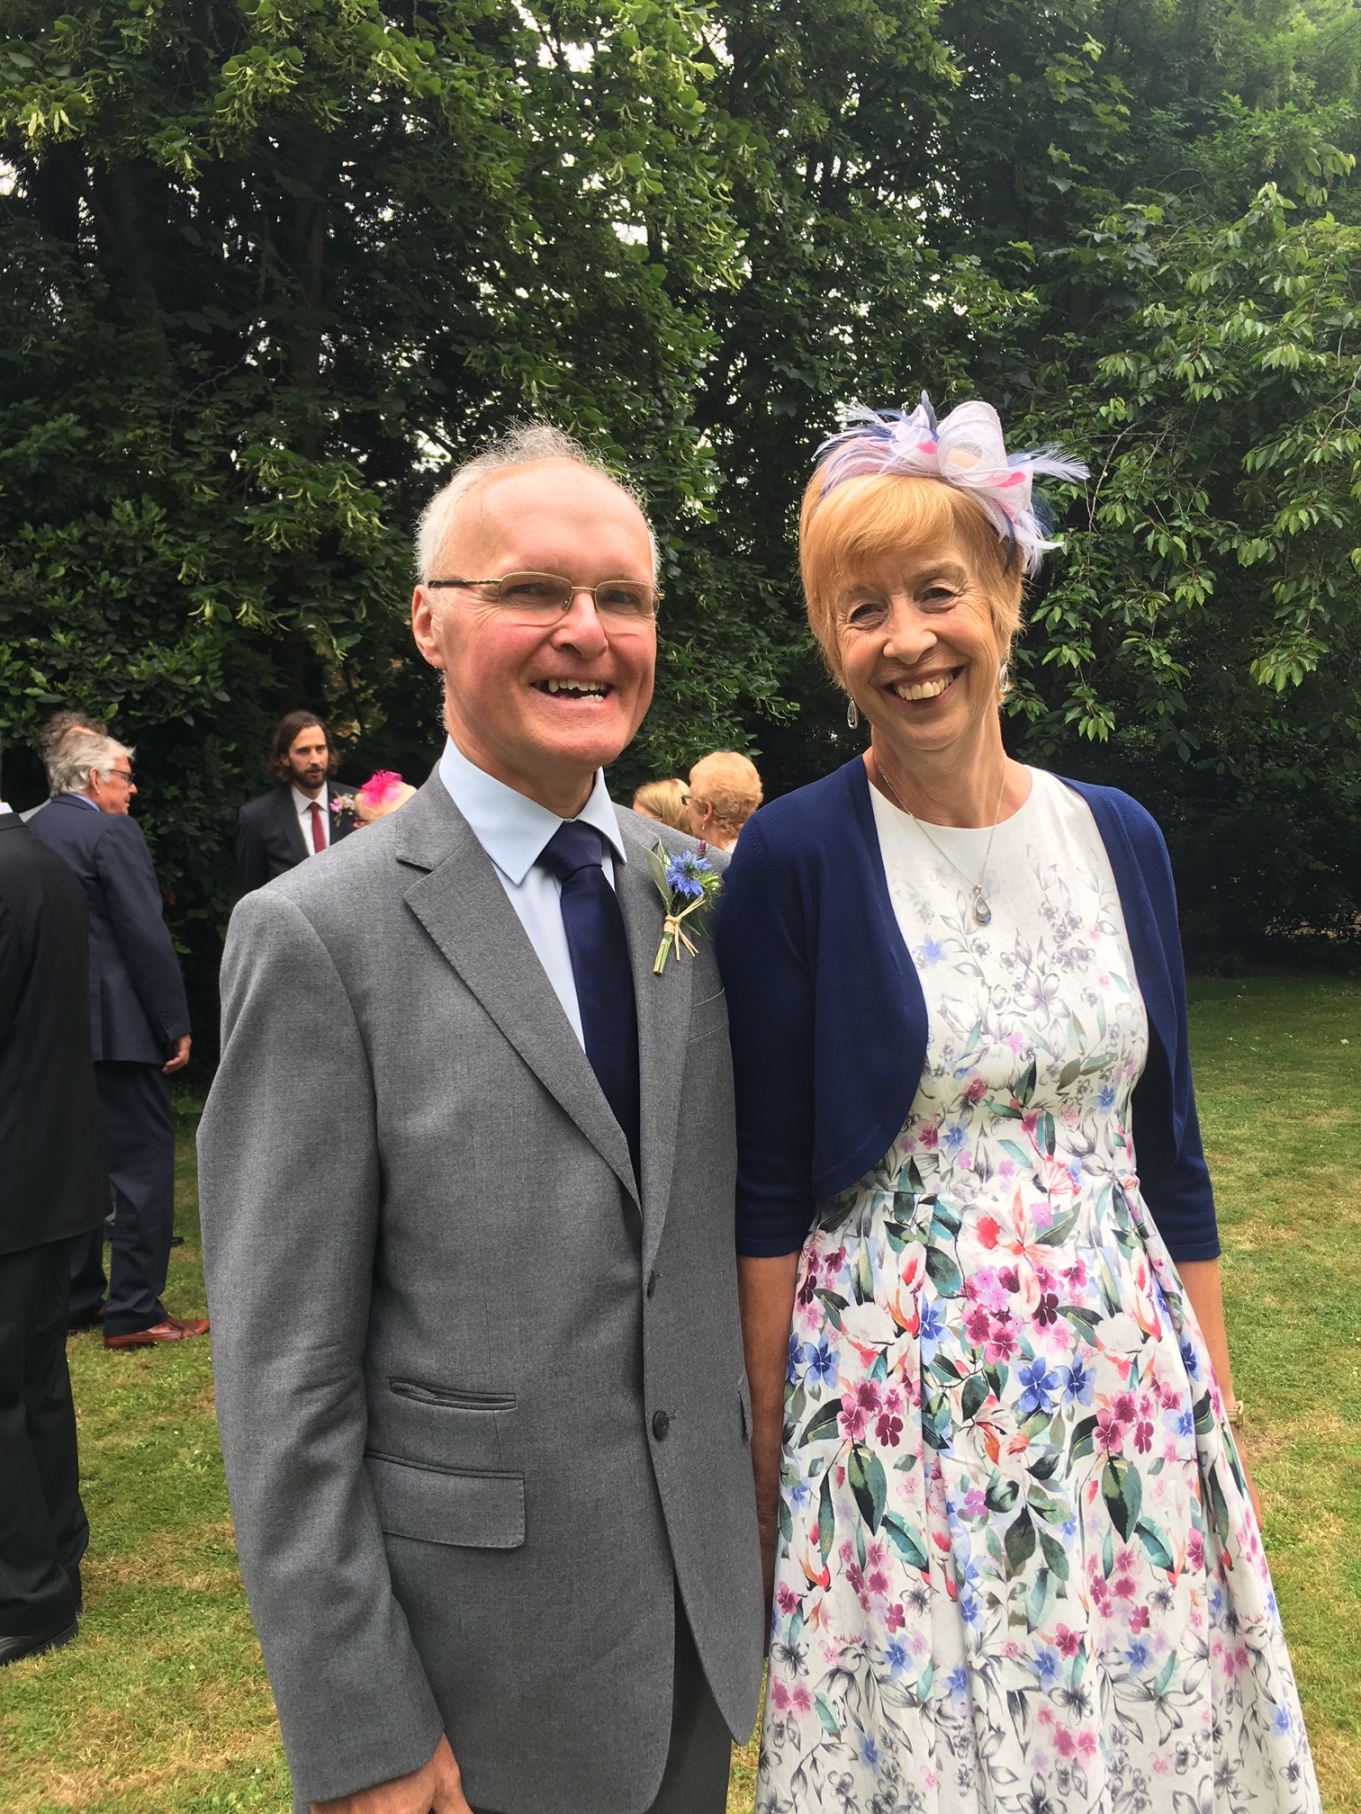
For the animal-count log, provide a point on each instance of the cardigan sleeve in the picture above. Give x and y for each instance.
(1171, 1162)
(763, 959)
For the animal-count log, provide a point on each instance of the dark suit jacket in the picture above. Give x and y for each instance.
(137, 1004)
(52, 1178)
(269, 839)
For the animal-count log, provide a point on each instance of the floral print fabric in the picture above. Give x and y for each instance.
(1018, 1569)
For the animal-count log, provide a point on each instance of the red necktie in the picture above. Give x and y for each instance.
(318, 836)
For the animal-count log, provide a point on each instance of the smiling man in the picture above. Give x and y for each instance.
(479, 1372)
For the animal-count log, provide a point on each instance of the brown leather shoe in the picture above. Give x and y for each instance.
(173, 1329)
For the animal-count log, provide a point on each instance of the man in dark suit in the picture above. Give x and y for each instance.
(139, 1025)
(294, 820)
(53, 1187)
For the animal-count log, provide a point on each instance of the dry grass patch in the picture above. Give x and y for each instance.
(210, 1568)
(105, 1788)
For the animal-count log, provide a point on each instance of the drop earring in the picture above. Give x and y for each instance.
(852, 715)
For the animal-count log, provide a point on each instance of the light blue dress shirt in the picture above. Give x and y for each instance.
(513, 830)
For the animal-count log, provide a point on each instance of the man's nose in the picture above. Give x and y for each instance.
(580, 624)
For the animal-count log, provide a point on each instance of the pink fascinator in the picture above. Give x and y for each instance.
(382, 793)
(964, 449)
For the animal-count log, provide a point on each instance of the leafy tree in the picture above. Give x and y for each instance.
(266, 268)
(268, 265)
(1205, 621)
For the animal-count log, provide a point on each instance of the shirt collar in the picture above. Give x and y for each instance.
(511, 827)
(301, 802)
(85, 800)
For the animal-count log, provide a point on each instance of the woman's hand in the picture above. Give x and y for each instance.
(1247, 1478)
(1201, 1280)
(765, 1289)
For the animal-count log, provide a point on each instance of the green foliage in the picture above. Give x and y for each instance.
(268, 266)
(1204, 621)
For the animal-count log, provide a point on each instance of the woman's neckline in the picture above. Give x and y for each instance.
(884, 795)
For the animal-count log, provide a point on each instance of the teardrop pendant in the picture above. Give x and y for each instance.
(982, 913)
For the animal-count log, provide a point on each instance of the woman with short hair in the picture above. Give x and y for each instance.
(724, 791)
(1016, 1560)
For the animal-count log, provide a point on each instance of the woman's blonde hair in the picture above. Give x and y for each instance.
(663, 800)
(846, 530)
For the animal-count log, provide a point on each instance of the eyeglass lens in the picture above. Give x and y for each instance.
(539, 595)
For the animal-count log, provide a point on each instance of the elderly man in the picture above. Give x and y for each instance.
(53, 733)
(724, 792)
(479, 1371)
(53, 1188)
(139, 1027)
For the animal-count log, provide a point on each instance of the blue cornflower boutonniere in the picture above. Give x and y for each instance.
(687, 882)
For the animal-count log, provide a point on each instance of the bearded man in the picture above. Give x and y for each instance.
(298, 817)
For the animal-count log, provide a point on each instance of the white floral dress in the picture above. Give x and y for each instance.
(1018, 1569)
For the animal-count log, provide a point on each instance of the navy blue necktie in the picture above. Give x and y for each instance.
(600, 968)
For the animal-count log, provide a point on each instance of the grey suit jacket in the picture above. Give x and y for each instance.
(482, 1403)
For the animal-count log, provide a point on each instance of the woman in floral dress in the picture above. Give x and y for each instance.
(1016, 1559)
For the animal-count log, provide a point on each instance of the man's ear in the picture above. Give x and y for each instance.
(423, 609)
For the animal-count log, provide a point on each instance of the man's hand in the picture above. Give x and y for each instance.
(179, 1057)
(436, 1788)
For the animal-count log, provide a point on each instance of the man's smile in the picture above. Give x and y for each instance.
(575, 689)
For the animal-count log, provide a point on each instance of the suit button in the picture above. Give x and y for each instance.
(661, 1423)
(652, 1281)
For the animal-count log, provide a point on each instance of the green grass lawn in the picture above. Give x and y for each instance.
(162, 1705)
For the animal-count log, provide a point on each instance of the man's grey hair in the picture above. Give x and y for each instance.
(69, 769)
(526, 445)
(57, 730)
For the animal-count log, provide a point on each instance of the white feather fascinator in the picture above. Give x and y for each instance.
(964, 449)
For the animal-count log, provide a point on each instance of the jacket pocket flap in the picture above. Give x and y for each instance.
(709, 1015)
(439, 1505)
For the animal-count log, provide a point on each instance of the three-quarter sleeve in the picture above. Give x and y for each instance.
(764, 960)
(1172, 1171)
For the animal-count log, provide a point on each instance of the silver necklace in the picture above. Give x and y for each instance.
(978, 901)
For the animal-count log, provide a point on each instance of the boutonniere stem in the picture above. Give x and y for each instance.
(687, 883)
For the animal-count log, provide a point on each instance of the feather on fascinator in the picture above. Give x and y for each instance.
(965, 449)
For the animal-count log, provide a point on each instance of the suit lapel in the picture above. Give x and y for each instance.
(289, 824)
(663, 1004)
(459, 900)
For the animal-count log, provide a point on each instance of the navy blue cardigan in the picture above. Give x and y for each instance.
(828, 1021)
